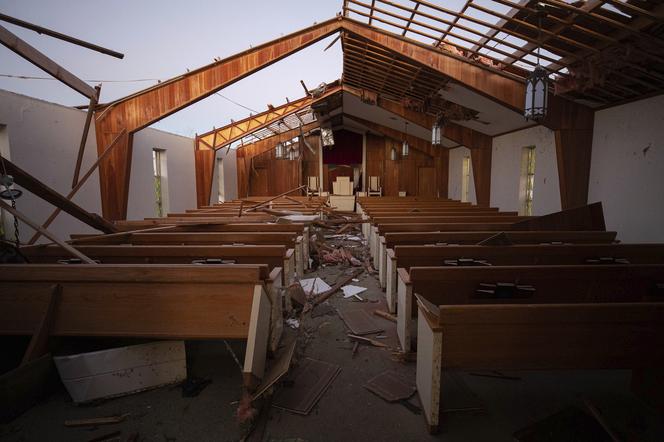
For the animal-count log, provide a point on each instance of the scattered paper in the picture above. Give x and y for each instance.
(352, 290)
(314, 286)
(293, 323)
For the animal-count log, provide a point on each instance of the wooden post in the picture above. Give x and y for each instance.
(84, 138)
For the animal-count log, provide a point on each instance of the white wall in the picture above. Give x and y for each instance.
(627, 169)
(44, 139)
(506, 170)
(180, 169)
(230, 176)
(456, 171)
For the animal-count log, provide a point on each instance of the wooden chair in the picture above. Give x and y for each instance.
(375, 189)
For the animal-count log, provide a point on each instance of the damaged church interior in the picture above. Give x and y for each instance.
(452, 229)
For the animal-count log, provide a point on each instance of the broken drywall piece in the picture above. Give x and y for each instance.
(293, 323)
(352, 290)
(314, 286)
(121, 371)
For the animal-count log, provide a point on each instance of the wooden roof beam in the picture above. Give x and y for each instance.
(146, 107)
(239, 129)
(44, 63)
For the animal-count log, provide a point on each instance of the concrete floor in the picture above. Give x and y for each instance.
(347, 411)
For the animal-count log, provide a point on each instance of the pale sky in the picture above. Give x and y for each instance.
(160, 40)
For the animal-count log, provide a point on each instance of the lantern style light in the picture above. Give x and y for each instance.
(437, 131)
(537, 83)
(327, 136)
(537, 90)
(280, 151)
(393, 154)
(405, 148)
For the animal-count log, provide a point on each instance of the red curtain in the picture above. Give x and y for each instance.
(347, 149)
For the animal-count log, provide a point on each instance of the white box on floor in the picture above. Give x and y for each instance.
(123, 370)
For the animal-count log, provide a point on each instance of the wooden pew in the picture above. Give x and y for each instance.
(289, 239)
(299, 228)
(552, 284)
(391, 239)
(533, 337)
(144, 301)
(534, 254)
(379, 230)
(271, 255)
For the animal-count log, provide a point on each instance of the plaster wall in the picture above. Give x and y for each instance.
(506, 171)
(43, 138)
(627, 169)
(456, 172)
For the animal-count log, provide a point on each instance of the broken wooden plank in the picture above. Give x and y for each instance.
(35, 186)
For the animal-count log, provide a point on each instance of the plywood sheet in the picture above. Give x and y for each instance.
(310, 381)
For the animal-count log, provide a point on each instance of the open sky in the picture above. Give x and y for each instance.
(160, 40)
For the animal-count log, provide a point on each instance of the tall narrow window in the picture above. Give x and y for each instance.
(220, 181)
(465, 179)
(160, 181)
(526, 192)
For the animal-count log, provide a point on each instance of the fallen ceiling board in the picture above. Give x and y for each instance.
(279, 368)
(391, 386)
(359, 322)
(310, 381)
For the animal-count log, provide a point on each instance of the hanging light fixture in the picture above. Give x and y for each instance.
(405, 148)
(280, 151)
(437, 131)
(327, 136)
(537, 83)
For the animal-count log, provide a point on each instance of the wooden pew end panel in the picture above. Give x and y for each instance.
(257, 339)
(429, 370)
(404, 309)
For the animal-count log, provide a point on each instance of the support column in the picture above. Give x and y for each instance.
(481, 161)
(204, 162)
(573, 150)
(442, 165)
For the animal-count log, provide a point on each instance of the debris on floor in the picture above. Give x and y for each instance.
(314, 286)
(359, 322)
(310, 381)
(123, 370)
(352, 290)
(383, 314)
(293, 323)
(279, 367)
(193, 386)
(96, 421)
(391, 386)
(365, 340)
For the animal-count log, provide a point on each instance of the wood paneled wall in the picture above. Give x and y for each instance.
(418, 174)
(263, 175)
